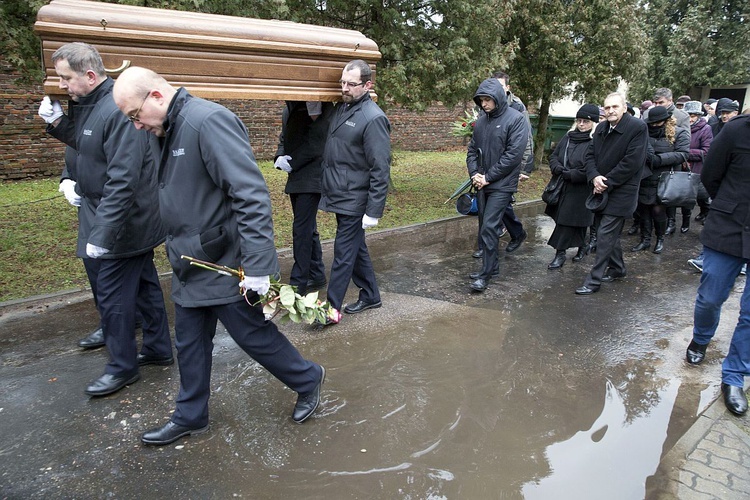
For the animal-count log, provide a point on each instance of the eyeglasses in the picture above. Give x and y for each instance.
(350, 84)
(134, 117)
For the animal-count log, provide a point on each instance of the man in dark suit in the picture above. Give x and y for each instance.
(304, 126)
(356, 168)
(215, 205)
(614, 164)
(726, 248)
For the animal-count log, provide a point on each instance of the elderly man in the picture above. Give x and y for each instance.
(215, 205)
(118, 223)
(663, 97)
(614, 164)
(726, 109)
(356, 168)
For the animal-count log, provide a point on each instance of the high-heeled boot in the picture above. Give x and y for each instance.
(646, 227)
(582, 251)
(558, 261)
(671, 225)
(686, 214)
(660, 230)
(591, 247)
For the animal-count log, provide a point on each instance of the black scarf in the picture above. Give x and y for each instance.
(576, 136)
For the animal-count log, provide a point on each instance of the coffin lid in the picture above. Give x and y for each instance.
(216, 57)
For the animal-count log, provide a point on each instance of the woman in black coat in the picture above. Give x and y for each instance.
(570, 214)
(668, 148)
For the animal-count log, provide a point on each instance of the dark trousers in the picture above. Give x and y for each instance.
(351, 261)
(493, 206)
(308, 255)
(124, 286)
(608, 250)
(92, 273)
(195, 328)
(511, 222)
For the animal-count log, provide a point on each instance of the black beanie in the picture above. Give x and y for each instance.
(589, 112)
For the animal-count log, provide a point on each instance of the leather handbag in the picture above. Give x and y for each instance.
(466, 204)
(553, 190)
(677, 189)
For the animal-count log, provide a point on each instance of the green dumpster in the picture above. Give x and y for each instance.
(557, 127)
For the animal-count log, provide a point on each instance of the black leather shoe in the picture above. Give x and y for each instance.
(670, 227)
(360, 306)
(734, 399)
(316, 285)
(478, 274)
(610, 277)
(695, 353)
(557, 262)
(93, 340)
(479, 285)
(477, 254)
(108, 384)
(146, 359)
(643, 245)
(659, 246)
(634, 229)
(585, 290)
(515, 243)
(307, 404)
(169, 434)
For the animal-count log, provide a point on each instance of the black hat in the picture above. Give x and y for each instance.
(683, 99)
(630, 109)
(658, 114)
(589, 112)
(597, 201)
(711, 101)
(726, 104)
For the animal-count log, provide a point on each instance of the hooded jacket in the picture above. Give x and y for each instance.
(115, 173)
(499, 140)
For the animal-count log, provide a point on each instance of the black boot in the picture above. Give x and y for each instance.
(660, 231)
(558, 261)
(634, 228)
(685, 220)
(582, 251)
(645, 244)
(591, 247)
(671, 215)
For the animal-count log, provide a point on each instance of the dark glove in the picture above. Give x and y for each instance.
(566, 174)
(656, 161)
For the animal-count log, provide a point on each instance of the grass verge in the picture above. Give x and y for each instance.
(38, 228)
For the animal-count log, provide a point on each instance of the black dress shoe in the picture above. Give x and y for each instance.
(93, 340)
(695, 353)
(515, 243)
(147, 359)
(585, 290)
(479, 285)
(477, 254)
(734, 398)
(360, 306)
(307, 404)
(610, 277)
(634, 229)
(108, 384)
(169, 434)
(478, 274)
(643, 245)
(316, 285)
(582, 251)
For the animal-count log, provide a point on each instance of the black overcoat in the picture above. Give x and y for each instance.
(571, 211)
(726, 176)
(619, 156)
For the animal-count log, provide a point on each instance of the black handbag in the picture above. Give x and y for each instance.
(553, 190)
(677, 189)
(466, 204)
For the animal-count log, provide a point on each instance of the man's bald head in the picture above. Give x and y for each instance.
(144, 97)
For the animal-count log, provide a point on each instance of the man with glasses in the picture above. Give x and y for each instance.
(118, 215)
(356, 169)
(216, 206)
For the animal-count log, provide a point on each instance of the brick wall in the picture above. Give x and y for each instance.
(27, 152)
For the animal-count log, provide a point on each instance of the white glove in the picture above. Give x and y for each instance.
(50, 111)
(368, 221)
(94, 251)
(258, 284)
(68, 188)
(282, 163)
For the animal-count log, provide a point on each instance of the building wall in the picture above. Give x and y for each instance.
(27, 152)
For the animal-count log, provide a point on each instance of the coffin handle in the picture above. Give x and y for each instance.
(125, 65)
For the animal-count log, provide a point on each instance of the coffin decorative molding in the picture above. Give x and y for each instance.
(216, 57)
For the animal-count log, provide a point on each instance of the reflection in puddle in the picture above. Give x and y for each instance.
(599, 461)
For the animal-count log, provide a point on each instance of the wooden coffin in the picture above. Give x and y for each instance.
(216, 57)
